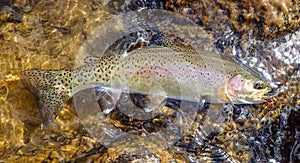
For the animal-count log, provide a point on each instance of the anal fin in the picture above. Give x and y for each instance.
(107, 98)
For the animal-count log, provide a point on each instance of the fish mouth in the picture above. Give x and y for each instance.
(268, 93)
(251, 101)
(273, 93)
(258, 97)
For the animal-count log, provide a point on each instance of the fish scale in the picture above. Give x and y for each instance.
(179, 71)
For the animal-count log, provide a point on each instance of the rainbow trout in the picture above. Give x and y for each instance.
(177, 73)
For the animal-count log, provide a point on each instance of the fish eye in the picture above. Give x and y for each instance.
(259, 85)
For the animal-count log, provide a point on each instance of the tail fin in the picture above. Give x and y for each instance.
(43, 84)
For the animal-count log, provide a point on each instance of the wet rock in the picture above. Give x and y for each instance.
(265, 18)
(8, 14)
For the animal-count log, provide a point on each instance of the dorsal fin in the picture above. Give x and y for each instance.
(92, 59)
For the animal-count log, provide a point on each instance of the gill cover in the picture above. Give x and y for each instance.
(241, 90)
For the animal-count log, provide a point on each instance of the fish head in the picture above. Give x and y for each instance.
(246, 89)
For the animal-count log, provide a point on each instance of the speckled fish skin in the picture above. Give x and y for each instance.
(180, 72)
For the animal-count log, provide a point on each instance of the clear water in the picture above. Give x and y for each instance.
(59, 35)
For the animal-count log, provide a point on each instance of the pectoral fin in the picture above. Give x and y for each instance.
(156, 97)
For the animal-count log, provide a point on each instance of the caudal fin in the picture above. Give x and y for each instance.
(50, 93)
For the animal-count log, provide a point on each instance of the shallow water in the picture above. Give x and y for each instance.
(52, 35)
